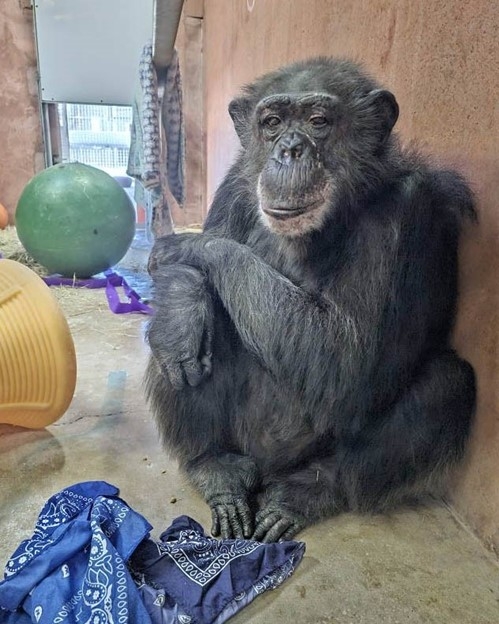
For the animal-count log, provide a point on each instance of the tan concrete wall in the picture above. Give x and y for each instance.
(21, 152)
(189, 44)
(441, 59)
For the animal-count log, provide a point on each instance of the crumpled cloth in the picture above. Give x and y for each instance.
(73, 568)
(187, 577)
(91, 560)
(157, 151)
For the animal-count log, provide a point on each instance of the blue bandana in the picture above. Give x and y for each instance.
(73, 568)
(187, 577)
(91, 560)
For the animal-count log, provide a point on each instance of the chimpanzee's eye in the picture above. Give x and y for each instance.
(318, 121)
(271, 121)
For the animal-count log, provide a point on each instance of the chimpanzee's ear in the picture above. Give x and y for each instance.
(240, 111)
(387, 110)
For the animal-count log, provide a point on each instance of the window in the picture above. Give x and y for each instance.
(96, 135)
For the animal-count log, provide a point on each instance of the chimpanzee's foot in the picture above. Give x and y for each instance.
(277, 523)
(226, 482)
(231, 516)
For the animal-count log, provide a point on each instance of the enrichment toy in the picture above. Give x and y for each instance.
(75, 220)
(37, 355)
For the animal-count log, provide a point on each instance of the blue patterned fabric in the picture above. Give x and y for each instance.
(91, 560)
(73, 568)
(187, 577)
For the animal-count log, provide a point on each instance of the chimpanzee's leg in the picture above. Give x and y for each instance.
(195, 426)
(420, 437)
(195, 391)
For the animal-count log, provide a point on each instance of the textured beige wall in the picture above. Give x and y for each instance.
(441, 59)
(21, 152)
(189, 44)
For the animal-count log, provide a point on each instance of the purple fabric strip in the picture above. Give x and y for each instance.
(110, 282)
(116, 305)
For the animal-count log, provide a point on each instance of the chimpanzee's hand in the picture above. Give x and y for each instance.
(181, 332)
(231, 516)
(175, 249)
(276, 523)
(227, 482)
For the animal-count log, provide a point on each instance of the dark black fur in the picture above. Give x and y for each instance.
(301, 364)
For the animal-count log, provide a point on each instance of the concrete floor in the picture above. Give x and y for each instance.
(412, 567)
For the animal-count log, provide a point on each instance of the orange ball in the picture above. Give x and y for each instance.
(4, 217)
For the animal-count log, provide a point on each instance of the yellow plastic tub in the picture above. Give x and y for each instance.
(37, 355)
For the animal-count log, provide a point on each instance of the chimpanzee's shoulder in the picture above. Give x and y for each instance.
(444, 190)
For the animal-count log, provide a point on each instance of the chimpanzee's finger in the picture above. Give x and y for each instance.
(215, 522)
(277, 530)
(225, 526)
(175, 375)
(206, 363)
(265, 520)
(290, 533)
(235, 522)
(245, 518)
(193, 371)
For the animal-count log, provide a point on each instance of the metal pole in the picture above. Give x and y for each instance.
(166, 15)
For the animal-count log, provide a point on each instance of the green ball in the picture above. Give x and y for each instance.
(75, 220)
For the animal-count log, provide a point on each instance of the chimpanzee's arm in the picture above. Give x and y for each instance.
(396, 295)
(180, 333)
(301, 338)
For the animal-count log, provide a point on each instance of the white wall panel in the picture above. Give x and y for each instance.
(88, 50)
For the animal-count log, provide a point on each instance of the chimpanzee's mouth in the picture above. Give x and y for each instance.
(284, 213)
(288, 212)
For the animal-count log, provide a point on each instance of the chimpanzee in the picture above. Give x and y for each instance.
(300, 361)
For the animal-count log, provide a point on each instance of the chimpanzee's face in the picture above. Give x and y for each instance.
(306, 150)
(296, 186)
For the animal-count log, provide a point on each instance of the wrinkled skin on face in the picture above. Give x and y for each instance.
(294, 188)
(311, 147)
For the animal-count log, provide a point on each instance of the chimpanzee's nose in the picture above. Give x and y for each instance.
(293, 149)
(290, 147)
